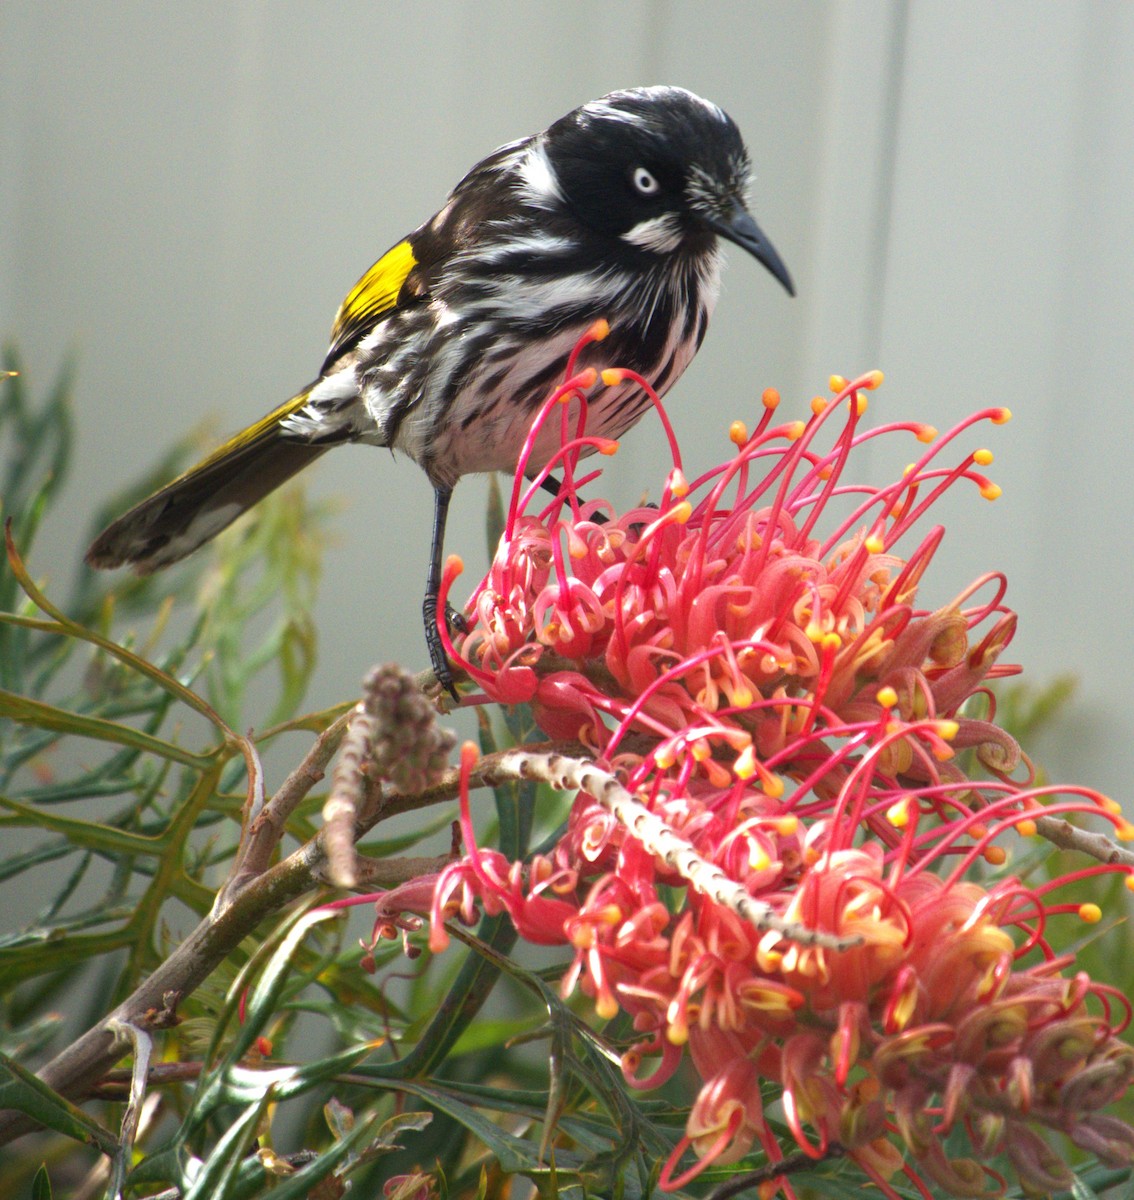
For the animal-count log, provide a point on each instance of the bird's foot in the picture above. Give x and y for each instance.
(457, 623)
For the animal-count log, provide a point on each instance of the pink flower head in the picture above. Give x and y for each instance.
(750, 659)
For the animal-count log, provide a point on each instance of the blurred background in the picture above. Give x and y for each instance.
(187, 192)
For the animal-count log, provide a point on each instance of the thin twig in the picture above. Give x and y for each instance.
(659, 838)
(1066, 836)
(792, 1165)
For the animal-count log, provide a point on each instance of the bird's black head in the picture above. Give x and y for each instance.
(657, 168)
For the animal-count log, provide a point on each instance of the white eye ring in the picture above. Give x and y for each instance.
(645, 182)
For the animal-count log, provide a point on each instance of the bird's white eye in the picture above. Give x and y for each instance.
(645, 182)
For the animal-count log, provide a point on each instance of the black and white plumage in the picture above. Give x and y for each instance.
(447, 345)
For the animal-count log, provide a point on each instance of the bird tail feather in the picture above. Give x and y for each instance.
(197, 505)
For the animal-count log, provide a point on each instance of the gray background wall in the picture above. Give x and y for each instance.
(187, 191)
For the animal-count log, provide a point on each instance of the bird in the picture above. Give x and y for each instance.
(445, 348)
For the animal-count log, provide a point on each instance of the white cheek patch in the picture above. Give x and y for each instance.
(660, 234)
(538, 180)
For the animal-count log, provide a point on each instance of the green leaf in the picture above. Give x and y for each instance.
(41, 1184)
(28, 1094)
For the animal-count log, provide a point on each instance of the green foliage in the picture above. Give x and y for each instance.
(124, 788)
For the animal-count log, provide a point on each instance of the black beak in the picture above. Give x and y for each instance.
(740, 228)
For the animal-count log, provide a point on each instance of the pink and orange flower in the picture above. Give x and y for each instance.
(751, 660)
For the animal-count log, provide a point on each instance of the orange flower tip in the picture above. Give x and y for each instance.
(991, 491)
(995, 856)
(770, 398)
(875, 543)
(1125, 832)
(926, 433)
(978, 831)
(772, 786)
(1110, 806)
(785, 826)
(857, 404)
(794, 431)
(454, 565)
(814, 632)
(825, 473)
(700, 751)
(676, 1035)
(769, 1189)
(607, 446)
(1091, 913)
(887, 697)
(612, 376)
(836, 383)
(982, 457)
(585, 379)
(831, 642)
(738, 433)
(1001, 416)
(1130, 883)
(872, 380)
(742, 698)
(600, 330)
(946, 729)
(898, 814)
(758, 858)
(470, 754)
(606, 1007)
(678, 484)
(1027, 828)
(818, 404)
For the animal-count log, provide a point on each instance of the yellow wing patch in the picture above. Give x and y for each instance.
(375, 293)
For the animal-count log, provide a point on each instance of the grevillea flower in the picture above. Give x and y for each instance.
(750, 660)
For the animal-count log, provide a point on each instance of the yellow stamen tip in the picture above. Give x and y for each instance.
(1001, 416)
(608, 446)
(612, 376)
(606, 1007)
(786, 826)
(678, 484)
(1091, 913)
(875, 543)
(454, 564)
(818, 404)
(836, 383)
(1027, 828)
(898, 814)
(860, 402)
(926, 433)
(873, 380)
(995, 856)
(991, 491)
(982, 457)
(600, 330)
(744, 766)
(770, 398)
(794, 431)
(1125, 832)
(738, 433)
(680, 512)
(946, 729)
(887, 697)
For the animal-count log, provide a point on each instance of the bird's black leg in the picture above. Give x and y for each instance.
(441, 497)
